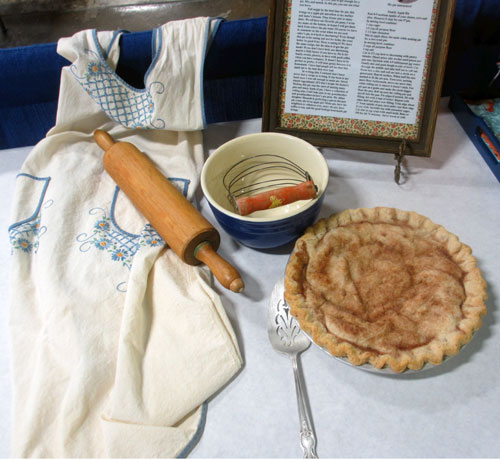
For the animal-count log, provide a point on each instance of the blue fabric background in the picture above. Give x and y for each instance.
(234, 70)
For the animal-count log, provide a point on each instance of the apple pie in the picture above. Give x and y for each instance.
(385, 287)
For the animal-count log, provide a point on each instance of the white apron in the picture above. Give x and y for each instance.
(116, 343)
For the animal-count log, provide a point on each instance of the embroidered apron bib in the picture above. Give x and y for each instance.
(116, 343)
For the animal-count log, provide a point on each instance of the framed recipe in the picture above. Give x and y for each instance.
(357, 74)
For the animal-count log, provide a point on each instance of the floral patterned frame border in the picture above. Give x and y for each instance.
(349, 133)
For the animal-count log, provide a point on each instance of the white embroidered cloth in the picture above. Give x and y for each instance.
(116, 344)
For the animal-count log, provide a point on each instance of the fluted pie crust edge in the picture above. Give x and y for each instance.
(404, 259)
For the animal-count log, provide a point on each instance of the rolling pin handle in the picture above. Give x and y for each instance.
(227, 275)
(103, 139)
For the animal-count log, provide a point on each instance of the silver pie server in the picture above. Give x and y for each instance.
(286, 337)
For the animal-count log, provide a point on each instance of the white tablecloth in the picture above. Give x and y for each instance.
(448, 411)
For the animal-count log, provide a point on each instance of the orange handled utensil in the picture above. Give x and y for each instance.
(279, 180)
(274, 198)
(177, 221)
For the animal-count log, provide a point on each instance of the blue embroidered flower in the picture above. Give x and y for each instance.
(93, 68)
(102, 243)
(152, 241)
(119, 254)
(102, 224)
(24, 245)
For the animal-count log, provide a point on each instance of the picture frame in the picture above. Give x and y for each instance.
(395, 119)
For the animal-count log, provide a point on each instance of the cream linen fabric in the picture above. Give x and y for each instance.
(116, 344)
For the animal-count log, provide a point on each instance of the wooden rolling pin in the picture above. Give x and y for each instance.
(178, 222)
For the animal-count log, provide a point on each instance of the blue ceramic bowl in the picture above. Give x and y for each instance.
(268, 228)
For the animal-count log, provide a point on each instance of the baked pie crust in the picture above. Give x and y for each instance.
(386, 287)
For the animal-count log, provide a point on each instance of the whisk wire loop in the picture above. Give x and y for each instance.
(234, 179)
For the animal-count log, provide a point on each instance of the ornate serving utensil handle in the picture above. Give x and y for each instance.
(307, 438)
